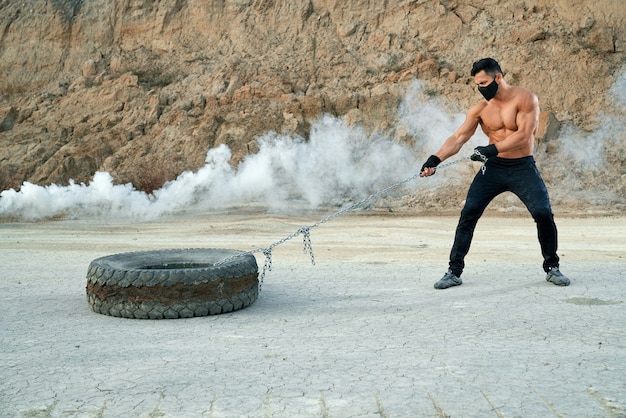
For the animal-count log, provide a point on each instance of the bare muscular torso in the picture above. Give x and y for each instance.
(510, 122)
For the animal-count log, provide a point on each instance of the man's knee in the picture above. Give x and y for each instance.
(542, 214)
(471, 209)
(471, 212)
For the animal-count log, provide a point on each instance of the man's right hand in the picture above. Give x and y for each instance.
(482, 154)
(430, 166)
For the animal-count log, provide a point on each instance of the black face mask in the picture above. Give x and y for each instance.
(489, 91)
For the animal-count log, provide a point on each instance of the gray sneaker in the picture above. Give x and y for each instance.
(556, 277)
(448, 280)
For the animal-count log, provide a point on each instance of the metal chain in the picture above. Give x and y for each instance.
(306, 238)
(306, 230)
(483, 168)
(266, 266)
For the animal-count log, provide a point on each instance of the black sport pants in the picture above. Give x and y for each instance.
(521, 177)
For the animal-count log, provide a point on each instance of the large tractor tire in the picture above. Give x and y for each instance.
(167, 284)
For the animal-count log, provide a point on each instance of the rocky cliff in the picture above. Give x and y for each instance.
(142, 89)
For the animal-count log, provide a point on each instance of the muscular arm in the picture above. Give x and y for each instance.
(453, 144)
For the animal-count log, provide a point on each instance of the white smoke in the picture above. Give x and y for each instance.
(587, 150)
(99, 197)
(588, 166)
(584, 149)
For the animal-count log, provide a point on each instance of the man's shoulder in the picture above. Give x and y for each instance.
(525, 99)
(523, 93)
(477, 108)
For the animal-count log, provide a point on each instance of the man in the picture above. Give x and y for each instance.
(508, 115)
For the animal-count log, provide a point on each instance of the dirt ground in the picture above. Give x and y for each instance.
(384, 237)
(361, 333)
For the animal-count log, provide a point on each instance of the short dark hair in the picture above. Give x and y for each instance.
(488, 65)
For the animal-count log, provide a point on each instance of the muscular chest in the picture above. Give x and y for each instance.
(497, 117)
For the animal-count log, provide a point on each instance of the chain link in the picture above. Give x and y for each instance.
(306, 238)
(306, 230)
(483, 168)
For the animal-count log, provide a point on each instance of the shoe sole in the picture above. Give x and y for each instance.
(448, 285)
(558, 284)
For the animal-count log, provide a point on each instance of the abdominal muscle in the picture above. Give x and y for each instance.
(518, 153)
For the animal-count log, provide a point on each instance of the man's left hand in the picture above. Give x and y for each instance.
(430, 166)
(484, 153)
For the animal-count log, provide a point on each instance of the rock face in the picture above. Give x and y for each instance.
(142, 89)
